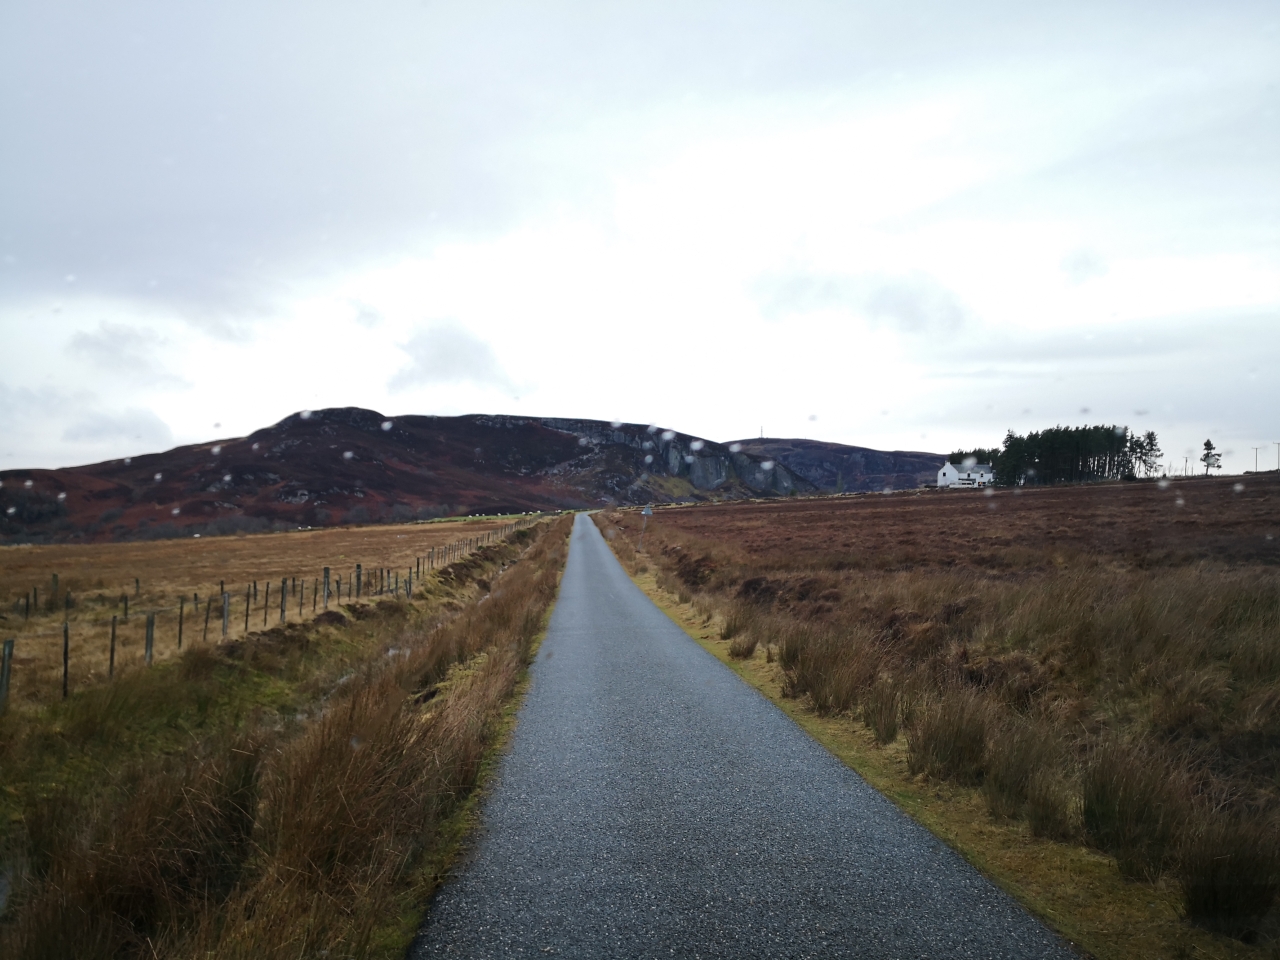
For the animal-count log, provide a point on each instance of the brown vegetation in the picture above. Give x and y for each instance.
(290, 795)
(1098, 662)
(97, 576)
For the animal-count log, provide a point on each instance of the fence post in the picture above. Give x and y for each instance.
(151, 637)
(284, 598)
(66, 657)
(137, 587)
(226, 613)
(326, 588)
(182, 606)
(315, 594)
(247, 606)
(208, 606)
(6, 666)
(111, 657)
(266, 602)
(359, 574)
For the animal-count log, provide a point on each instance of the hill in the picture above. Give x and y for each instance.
(350, 465)
(838, 468)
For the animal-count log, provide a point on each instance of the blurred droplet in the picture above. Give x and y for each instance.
(767, 465)
(196, 535)
(217, 449)
(29, 484)
(689, 458)
(305, 414)
(697, 445)
(989, 492)
(1084, 411)
(63, 496)
(582, 441)
(12, 510)
(128, 460)
(992, 505)
(1163, 483)
(157, 477)
(1238, 488)
(386, 424)
(648, 458)
(1179, 502)
(347, 454)
(217, 426)
(254, 447)
(615, 424)
(735, 448)
(668, 434)
(226, 478)
(652, 428)
(813, 416)
(968, 463)
(175, 511)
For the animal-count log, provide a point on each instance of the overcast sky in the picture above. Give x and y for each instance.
(895, 224)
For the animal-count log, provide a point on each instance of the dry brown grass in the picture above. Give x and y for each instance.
(1097, 662)
(98, 575)
(273, 832)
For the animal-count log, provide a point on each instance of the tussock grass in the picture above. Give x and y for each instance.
(317, 771)
(1101, 692)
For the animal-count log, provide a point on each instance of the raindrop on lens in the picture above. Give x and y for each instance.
(648, 458)
(1163, 484)
(254, 447)
(305, 414)
(386, 424)
(652, 428)
(29, 484)
(735, 448)
(128, 460)
(62, 496)
(697, 445)
(12, 510)
(688, 458)
(347, 455)
(668, 434)
(767, 465)
(615, 424)
(1238, 488)
(989, 492)
(157, 477)
(175, 511)
(582, 441)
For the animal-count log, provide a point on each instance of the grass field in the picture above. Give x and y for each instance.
(1059, 682)
(99, 576)
(298, 792)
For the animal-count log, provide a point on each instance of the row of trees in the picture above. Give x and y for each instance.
(1070, 455)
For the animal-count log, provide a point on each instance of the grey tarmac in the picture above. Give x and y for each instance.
(654, 805)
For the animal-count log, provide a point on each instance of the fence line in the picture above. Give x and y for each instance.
(387, 582)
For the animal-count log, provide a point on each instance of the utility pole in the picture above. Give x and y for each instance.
(1255, 459)
(1277, 443)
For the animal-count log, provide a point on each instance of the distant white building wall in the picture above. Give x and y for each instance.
(977, 475)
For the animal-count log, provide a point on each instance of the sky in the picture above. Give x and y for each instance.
(903, 225)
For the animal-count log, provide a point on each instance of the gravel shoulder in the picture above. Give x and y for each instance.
(653, 804)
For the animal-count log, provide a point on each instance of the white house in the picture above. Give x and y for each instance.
(965, 475)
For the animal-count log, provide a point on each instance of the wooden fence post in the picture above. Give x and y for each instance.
(208, 606)
(151, 638)
(111, 657)
(326, 588)
(182, 606)
(247, 606)
(6, 668)
(266, 602)
(226, 613)
(284, 598)
(66, 657)
(359, 574)
(137, 587)
(315, 594)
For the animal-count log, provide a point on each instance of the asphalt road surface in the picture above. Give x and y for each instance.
(654, 805)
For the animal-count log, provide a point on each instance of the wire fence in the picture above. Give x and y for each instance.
(229, 615)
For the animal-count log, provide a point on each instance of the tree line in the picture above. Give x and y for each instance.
(1069, 455)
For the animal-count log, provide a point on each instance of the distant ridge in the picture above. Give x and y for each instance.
(351, 465)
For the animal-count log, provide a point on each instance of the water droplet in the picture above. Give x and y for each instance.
(615, 424)
(668, 434)
(1179, 502)
(175, 511)
(217, 426)
(347, 454)
(128, 460)
(1238, 488)
(652, 428)
(697, 444)
(196, 535)
(813, 416)
(217, 449)
(12, 510)
(1163, 483)
(386, 424)
(968, 463)
(767, 465)
(63, 496)
(992, 505)
(735, 448)
(689, 458)
(254, 447)
(305, 414)
(648, 458)
(29, 484)
(989, 492)
(582, 441)
(157, 477)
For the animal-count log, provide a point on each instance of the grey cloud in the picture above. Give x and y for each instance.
(124, 349)
(916, 304)
(912, 304)
(135, 425)
(448, 354)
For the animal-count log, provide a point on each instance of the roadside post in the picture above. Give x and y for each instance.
(6, 667)
(647, 512)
